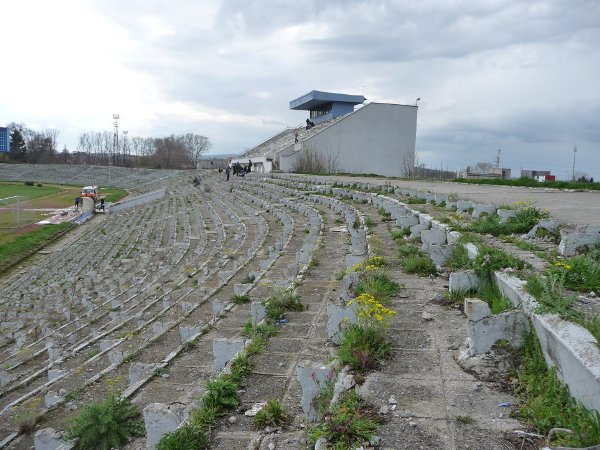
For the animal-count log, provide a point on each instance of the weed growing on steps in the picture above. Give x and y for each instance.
(378, 284)
(219, 399)
(348, 423)
(26, 414)
(581, 273)
(546, 402)
(416, 201)
(490, 292)
(364, 343)
(282, 301)
(109, 424)
(550, 293)
(400, 234)
(413, 260)
(369, 223)
(240, 299)
(526, 218)
(272, 414)
(459, 258)
(490, 259)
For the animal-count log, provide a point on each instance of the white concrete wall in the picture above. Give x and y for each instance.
(375, 139)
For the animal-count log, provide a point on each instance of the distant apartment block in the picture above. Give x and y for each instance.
(4, 140)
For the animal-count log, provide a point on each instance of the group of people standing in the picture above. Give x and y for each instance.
(238, 169)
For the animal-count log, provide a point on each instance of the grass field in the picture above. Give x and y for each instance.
(17, 238)
(15, 247)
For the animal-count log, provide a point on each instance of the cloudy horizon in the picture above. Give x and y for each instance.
(520, 76)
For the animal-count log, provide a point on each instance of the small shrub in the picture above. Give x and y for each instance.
(370, 223)
(379, 285)
(282, 301)
(364, 344)
(420, 264)
(550, 294)
(490, 259)
(416, 201)
(106, 425)
(546, 402)
(459, 258)
(490, 292)
(581, 273)
(272, 414)
(248, 279)
(26, 414)
(240, 299)
(465, 420)
(188, 437)
(384, 213)
(29, 183)
(241, 367)
(400, 234)
(348, 423)
(221, 394)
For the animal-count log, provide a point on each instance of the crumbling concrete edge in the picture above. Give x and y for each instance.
(567, 346)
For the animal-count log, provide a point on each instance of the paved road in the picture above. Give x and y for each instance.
(574, 208)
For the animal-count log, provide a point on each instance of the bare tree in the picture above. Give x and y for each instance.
(196, 146)
(170, 153)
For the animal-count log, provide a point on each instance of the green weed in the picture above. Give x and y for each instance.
(348, 423)
(240, 299)
(546, 402)
(379, 285)
(188, 437)
(109, 424)
(272, 414)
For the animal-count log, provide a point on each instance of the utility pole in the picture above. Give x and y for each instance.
(574, 153)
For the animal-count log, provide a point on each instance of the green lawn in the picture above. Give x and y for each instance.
(20, 246)
(27, 192)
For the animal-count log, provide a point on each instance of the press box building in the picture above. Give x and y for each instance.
(349, 135)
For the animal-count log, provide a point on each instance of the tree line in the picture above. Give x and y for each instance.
(101, 148)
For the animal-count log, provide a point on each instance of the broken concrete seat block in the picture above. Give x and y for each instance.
(224, 350)
(159, 420)
(479, 209)
(352, 260)
(312, 378)
(484, 329)
(188, 333)
(138, 371)
(407, 221)
(52, 398)
(433, 237)
(349, 282)
(464, 281)
(439, 254)
(53, 374)
(506, 214)
(472, 250)
(50, 439)
(415, 230)
(463, 205)
(241, 288)
(338, 315)
(581, 237)
(452, 236)
(217, 306)
(258, 312)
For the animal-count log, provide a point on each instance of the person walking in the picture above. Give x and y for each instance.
(227, 171)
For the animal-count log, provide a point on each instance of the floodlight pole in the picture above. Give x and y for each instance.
(574, 153)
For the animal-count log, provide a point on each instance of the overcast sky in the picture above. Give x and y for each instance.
(516, 75)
